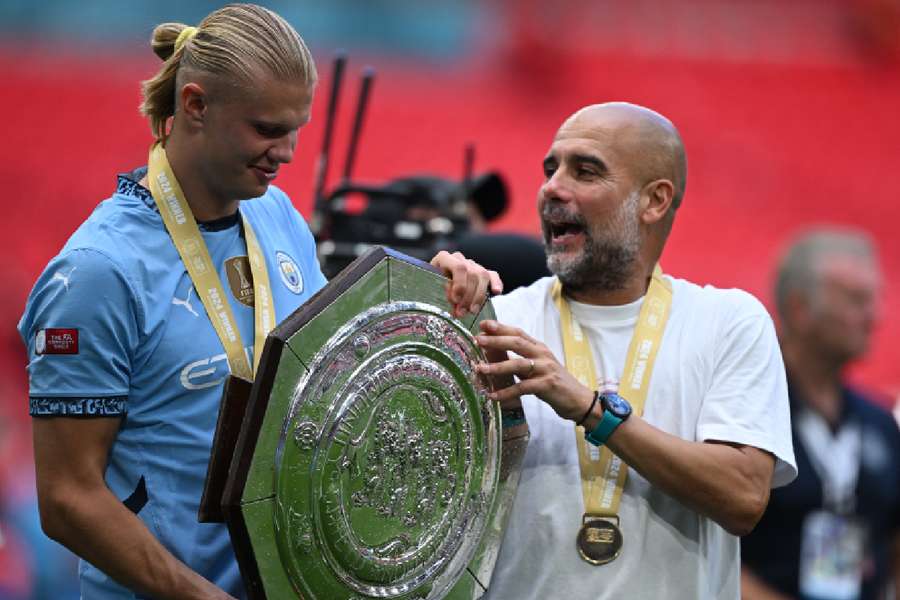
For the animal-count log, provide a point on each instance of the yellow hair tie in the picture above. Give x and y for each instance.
(186, 34)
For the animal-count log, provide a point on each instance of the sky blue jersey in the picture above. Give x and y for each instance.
(114, 327)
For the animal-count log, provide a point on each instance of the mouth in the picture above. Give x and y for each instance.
(265, 174)
(562, 233)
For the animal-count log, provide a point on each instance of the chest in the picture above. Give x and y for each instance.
(680, 377)
(183, 353)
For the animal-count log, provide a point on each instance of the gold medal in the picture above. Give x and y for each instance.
(599, 541)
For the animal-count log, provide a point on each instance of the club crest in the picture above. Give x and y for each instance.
(290, 272)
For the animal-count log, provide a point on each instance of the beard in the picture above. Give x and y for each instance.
(609, 254)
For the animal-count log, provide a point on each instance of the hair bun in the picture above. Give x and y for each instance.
(164, 37)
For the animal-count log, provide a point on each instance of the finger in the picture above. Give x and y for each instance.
(494, 328)
(522, 367)
(439, 259)
(522, 388)
(450, 267)
(471, 288)
(496, 283)
(456, 266)
(480, 292)
(515, 343)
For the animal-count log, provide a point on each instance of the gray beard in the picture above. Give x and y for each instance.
(602, 267)
(608, 257)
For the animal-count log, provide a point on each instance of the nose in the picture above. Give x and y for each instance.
(557, 187)
(282, 151)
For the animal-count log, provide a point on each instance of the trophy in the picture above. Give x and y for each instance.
(366, 460)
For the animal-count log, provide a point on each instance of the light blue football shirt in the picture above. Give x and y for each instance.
(114, 327)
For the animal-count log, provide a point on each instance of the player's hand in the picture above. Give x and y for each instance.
(538, 371)
(469, 282)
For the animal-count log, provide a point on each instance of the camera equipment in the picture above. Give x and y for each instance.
(417, 215)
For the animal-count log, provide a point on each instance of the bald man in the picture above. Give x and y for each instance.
(658, 408)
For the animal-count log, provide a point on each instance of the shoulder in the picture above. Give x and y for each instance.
(121, 227)
(728, 302)
(85, 271)
(868, 410)
(719, 311)
(81, 284)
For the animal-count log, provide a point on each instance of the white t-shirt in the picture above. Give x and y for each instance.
(718, 376)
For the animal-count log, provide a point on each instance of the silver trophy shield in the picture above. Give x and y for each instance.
(369, 461)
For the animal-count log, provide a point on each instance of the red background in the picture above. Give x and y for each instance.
(771, 149)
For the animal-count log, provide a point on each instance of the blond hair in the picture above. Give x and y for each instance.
(236, 42)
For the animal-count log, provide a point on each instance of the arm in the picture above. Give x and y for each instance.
(754, 588)
(78, 510)
(728, 483)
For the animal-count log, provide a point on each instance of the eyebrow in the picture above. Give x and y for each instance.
(589, 159)
(577, 158)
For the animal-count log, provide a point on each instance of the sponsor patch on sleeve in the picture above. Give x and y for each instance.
(56, 341)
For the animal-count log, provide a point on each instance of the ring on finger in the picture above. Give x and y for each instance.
(530, 367)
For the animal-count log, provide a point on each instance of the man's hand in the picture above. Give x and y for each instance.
(469, 282)
(724, 481)
(538, 371)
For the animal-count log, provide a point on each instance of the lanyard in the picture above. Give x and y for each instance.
(834, 457)
(603, 474)
(182, 227)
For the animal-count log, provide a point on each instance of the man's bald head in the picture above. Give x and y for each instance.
(648, 141)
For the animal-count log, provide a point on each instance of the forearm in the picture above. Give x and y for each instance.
(716, 480)
(98, 527)
(754, 588)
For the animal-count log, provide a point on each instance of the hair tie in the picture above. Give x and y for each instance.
(186, 34)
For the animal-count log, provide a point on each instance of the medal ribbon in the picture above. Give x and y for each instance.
(603, 474)
(182, 227)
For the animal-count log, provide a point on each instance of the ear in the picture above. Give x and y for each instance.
(192, 104)
(797, 310)
(656, 200)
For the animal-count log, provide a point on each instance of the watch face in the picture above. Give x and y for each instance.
(617, 405)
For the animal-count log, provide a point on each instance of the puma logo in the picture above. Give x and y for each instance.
(186, 303)
(64, 278)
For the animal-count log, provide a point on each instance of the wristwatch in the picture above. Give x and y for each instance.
(615, 410)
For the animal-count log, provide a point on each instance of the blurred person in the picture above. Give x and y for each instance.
(125, 328)
(834, 533)
(616, 501)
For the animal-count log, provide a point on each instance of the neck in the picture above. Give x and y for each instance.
(633, 289)
(204, 202)
(816, 377)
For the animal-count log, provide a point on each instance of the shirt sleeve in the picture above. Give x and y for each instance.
(747, 402)
(81, 330)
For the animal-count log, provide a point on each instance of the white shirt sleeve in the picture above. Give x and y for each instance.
(747, 402)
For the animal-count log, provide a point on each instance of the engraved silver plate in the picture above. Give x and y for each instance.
(370, 462)
(404, 464)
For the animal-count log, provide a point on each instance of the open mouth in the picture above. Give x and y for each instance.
(563, 232)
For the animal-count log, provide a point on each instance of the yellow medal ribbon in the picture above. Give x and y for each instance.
(603, 474)
(182, 227)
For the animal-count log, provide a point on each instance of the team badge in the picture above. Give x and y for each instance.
(56, 341)
(290, 272)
